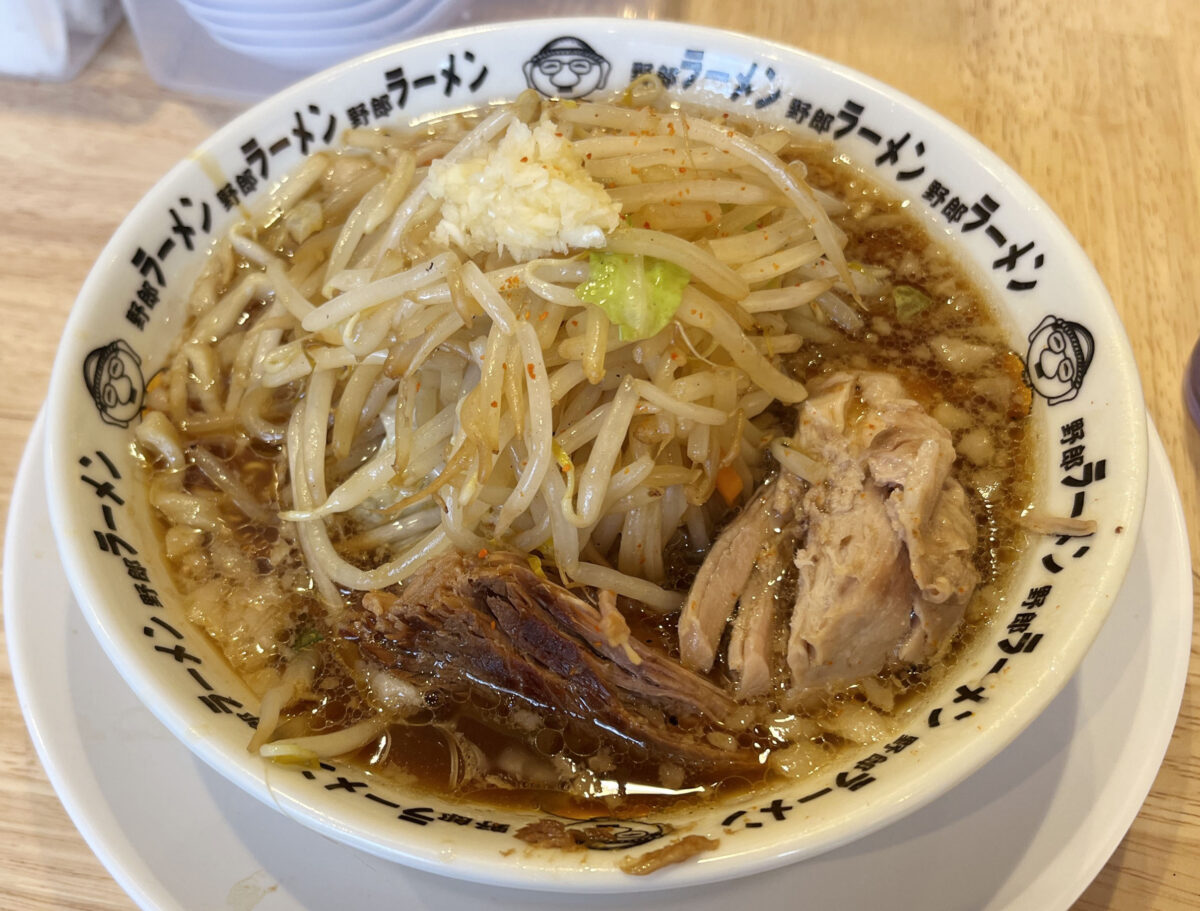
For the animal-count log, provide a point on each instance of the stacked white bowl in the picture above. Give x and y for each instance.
(307, 35)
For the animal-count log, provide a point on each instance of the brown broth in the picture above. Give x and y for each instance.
(881, 232)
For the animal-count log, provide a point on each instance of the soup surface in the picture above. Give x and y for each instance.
(582, 456)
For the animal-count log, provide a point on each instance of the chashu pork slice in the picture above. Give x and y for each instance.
(749, 541)
(466, 622)
(885, 569)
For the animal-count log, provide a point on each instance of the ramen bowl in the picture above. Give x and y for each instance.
(1087, 416)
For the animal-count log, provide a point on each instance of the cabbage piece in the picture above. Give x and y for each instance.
(909, 302)
(639, 294)
(307, 637)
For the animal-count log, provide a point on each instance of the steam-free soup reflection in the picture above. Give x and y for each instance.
(584, 456)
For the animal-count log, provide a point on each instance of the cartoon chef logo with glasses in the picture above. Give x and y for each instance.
(566, 68)
(1060, 353)
(615, 834)
(113, 374)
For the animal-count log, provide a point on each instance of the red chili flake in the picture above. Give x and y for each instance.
(524, 158)
(495, 404)
(531, 371)
(645, 224)
(483, 552)
(708, 216)
(589, 156)
(543, 315)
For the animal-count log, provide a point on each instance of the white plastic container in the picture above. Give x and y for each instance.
(53, 39)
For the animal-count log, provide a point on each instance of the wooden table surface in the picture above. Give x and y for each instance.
(1096, 104)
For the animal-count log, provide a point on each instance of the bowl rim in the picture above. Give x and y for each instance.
(963, 761)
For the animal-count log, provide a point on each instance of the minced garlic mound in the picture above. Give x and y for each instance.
(530, 195)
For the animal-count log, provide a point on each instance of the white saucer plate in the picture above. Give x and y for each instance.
(1030, 830)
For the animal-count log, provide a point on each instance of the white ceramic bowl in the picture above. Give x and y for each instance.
(1092, 449)
(300, 60)
(377, 24)
(271, 6)
(312, 41)
(282, 17)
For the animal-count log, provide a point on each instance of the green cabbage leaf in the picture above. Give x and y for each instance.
(638, 294)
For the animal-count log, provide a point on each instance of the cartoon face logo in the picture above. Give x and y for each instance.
(113, 374)
(1060, 353)
(615, 834)
(566, 68)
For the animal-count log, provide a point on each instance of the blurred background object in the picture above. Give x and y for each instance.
(53, 39)
(248, 49)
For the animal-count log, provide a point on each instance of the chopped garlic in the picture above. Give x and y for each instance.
(529, 195)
